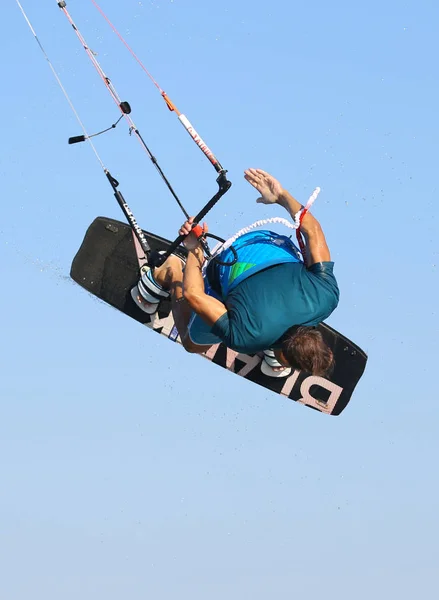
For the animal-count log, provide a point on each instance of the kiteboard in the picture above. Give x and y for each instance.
(108, 262)
(107, 265)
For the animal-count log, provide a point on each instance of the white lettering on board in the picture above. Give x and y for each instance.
(290, 382)
(327, 406)
(305, 387)
(167, 323)
(250, 362)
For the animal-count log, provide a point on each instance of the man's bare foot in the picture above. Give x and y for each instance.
(169, 272)
(156, 285)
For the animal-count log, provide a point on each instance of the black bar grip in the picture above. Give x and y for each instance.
(224, 186)
(76, 139)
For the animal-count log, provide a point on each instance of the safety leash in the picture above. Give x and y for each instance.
(298, 218)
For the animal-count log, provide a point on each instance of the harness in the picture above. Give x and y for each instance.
(256, 251)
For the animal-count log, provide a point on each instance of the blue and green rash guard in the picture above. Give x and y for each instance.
(267, 291)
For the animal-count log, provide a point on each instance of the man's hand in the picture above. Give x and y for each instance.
(191, 241)
(269, 187)
(273, 193)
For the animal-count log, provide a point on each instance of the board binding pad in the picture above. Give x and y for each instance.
(107, 265)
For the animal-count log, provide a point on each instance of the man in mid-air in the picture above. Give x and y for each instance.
(269, 300)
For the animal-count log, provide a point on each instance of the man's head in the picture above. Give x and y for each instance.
(304, 348)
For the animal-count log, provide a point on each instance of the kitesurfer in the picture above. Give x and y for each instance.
(269, 299)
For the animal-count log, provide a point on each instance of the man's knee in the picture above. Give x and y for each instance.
(192, 348)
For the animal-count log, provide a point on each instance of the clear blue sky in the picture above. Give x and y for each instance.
(131, 470)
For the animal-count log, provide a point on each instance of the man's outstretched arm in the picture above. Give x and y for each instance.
(316, 245)
(273, 193)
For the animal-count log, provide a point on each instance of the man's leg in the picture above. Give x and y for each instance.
(170, 277)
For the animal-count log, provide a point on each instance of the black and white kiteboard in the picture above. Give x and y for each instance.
(107, 265)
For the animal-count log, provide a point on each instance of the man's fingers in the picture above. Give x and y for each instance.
(256, 182)
(186, 227)
(258, 178)
(253, 174)
(258, 175)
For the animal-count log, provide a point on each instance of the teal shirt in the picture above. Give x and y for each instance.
(263, 307)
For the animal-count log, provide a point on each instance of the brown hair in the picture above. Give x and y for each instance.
(304, 347)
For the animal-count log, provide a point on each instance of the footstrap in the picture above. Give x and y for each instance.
(150, 290)
(270, 359)
(148, 293)
(269, 363)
